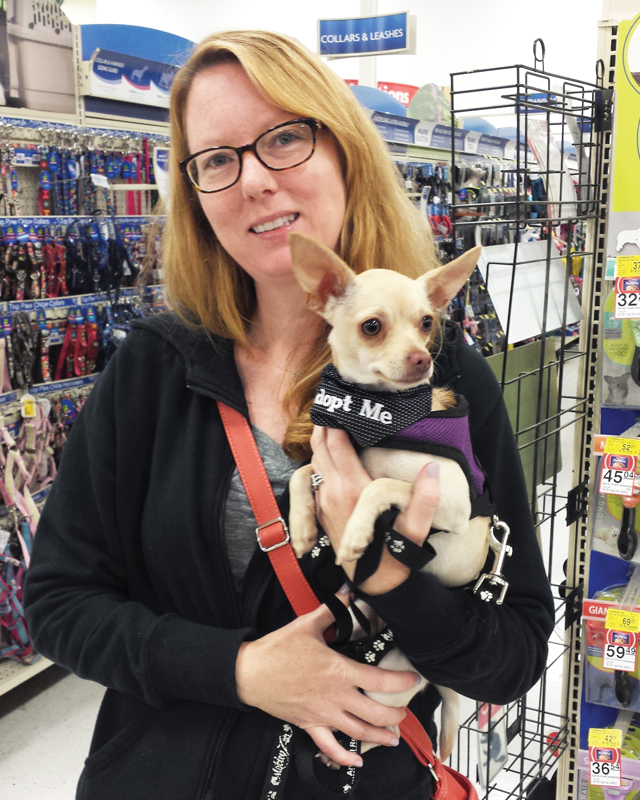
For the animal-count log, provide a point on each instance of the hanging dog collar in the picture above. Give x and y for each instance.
(367, 415)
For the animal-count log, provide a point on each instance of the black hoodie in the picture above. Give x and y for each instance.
(130, 585)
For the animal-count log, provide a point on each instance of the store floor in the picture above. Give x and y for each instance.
(45, 730)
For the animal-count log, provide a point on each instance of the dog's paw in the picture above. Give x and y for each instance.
(303, 532)
(358, 535)
(303, 529)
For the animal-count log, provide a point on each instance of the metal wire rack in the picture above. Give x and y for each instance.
(546, 376)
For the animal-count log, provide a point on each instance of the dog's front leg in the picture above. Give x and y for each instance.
(376, 497)
(303, 528)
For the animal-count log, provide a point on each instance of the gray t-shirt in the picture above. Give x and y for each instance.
(239, 519)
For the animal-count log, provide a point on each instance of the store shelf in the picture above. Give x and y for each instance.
(13, 674)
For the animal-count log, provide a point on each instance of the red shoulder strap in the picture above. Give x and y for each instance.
(272, 532)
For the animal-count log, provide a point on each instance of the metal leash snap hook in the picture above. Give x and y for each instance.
(316, 480)
(495, 578)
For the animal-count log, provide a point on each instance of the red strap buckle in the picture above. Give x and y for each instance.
(276, 545)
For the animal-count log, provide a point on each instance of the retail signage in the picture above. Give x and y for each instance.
(63, 386)
(402, 92)
(393, 128)
(367, 36)
(431, 134)
(121, 77)
(405, 130)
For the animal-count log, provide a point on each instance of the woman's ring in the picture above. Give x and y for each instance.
(316, 480)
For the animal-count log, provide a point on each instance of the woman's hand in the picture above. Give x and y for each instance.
(293, 675)
(344, 477)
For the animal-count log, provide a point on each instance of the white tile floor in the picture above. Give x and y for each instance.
(45, 731)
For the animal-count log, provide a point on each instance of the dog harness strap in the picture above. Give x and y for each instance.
(402, 549)
(407, 552)
(367, 415)
(272, 532)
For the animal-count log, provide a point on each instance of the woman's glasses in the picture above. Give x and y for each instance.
(282, 147)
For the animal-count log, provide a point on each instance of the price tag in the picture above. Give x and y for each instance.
(627, 298)
(618, 474)
(620, 651)
(99, 180)
(622, 447)
(627, 266)
(28, 406)
(604, 766)
(605, 737)
(619, 620)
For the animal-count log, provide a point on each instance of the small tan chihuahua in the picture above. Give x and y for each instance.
(382, 326)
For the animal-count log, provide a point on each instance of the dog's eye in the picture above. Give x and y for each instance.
(427, 324)
(371, 327)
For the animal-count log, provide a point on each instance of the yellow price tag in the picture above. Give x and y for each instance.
(627, 266)
(28, 406)
(605, 737)
(618, 446)
(619, 620)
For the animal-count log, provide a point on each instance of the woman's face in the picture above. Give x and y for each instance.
(224, 108)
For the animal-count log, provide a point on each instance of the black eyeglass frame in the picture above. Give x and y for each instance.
(251, 148)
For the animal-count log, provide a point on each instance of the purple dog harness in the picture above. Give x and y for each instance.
(404, 421)
(448, 431)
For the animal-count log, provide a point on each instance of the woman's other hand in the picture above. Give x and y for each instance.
(292, 674)
(344, 477)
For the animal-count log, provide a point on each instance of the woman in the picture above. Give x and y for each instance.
(145, 574)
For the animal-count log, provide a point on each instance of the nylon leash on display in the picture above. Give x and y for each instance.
(44, 191)
(13, 179)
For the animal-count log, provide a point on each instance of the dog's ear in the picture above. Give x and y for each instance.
(320, 272)
(443, 283)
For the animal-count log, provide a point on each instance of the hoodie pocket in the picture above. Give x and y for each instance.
(163, 754)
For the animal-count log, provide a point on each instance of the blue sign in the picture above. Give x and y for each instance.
(393, 128)
(387, 33)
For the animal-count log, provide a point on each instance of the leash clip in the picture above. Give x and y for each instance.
(495, 578)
